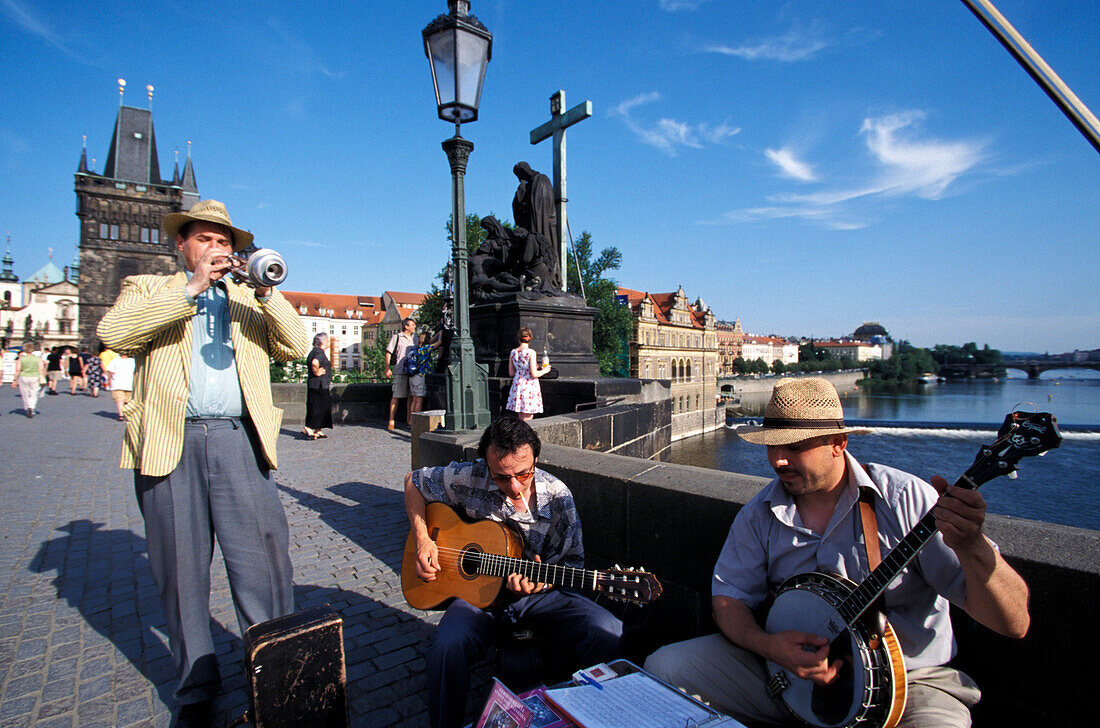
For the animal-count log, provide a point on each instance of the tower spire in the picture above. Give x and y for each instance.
(82, 168)
(7, 275)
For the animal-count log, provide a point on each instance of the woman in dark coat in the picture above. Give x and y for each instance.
(318, 399)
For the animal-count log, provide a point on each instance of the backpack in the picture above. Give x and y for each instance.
(414, 361)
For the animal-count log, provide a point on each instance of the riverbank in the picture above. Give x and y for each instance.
(753, 393)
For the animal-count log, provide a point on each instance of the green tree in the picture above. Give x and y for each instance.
(613, 322)
(430, 312)
(778, 367)
(374, 357)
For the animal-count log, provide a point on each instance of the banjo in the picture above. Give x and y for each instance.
(870, 690)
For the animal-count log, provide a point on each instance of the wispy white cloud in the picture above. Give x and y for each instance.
(790, 166)
(668, 134)
(796, 45)
(923, 167)
(824, 217)
(905, 164)
(673, 6)
(26, 19)
(301, 53)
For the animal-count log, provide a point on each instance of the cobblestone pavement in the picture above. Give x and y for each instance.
(82, 639)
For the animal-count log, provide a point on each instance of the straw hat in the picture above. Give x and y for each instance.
(206, 211)
(799, 410)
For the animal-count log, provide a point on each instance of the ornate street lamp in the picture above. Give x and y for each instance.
(458, 47)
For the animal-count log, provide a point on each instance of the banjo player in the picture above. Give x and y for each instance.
(808, 520)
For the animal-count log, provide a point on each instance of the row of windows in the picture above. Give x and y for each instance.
(343, 329)
(678, 370)
(683, 404)
(662, 338)
(111, 232)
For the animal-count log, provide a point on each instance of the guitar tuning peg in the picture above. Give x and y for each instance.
(618, 567)
(1013, 475)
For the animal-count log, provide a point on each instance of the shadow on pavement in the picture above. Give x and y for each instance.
(105, 575)
(375, 520)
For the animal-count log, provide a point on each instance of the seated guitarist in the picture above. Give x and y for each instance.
(808, 520)
(505, 486)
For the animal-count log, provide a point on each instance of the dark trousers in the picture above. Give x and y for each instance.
(218, 489)
(566, 618)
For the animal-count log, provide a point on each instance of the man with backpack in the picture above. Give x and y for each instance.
(400, 346)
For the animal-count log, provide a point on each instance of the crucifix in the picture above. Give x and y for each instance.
(556, 127)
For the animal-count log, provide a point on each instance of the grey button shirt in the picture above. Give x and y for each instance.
(767, 543)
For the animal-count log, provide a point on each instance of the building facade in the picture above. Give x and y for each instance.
(675, 340)
(855, 350)
(730, 339)
(346, 319)
(770, 349)
(120, 212)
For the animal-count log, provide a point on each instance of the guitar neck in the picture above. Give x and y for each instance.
(555, 574)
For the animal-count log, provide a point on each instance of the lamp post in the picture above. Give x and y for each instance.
(459, 47)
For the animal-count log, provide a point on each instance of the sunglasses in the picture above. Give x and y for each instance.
(523, 478)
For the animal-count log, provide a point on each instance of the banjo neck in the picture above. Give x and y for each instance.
(1022, 434)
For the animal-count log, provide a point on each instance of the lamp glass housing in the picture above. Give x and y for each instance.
(458, 52)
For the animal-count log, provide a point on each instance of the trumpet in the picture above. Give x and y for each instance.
(262, 267)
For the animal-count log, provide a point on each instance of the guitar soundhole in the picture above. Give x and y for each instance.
(469, 562)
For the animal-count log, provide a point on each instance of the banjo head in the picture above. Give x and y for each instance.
(806, 603)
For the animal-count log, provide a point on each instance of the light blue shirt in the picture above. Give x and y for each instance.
(214, 389)
(768, 543)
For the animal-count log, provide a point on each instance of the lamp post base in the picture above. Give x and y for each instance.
(466, 398)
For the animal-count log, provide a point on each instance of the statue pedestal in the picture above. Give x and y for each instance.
(562, 324)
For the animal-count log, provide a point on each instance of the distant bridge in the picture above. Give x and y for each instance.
(1032, 367)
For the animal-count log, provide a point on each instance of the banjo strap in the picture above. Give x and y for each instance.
(870, 526)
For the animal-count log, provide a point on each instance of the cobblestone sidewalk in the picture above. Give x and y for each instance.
(82, 639)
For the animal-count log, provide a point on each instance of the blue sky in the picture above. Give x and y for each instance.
(805, 166)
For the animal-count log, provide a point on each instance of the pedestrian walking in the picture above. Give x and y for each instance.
(76, 372)
(93, 371)
(31, 375)
(120, 380)
(54, 371)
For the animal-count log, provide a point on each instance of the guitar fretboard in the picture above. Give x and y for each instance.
(556, 574)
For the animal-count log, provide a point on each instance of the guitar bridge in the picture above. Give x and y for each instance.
(778, 683)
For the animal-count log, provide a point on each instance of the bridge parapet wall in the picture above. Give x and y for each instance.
(673, 519)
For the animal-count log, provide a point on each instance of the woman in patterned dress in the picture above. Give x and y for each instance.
(93, 371)
(525, 398)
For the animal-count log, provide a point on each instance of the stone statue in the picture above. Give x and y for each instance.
(513, 262)
(533, 206)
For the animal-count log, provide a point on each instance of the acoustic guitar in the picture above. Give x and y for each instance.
(476, 557)
(870, 692)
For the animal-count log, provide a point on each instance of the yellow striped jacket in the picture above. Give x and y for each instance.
(151, 321)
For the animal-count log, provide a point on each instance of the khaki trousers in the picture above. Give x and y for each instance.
(733, 680)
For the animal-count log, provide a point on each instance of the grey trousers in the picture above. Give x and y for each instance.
(218, 489)
(733, 680)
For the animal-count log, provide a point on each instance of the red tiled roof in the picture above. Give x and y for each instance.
(361, 307)
(662, 305)
(836, 344)
(406, 299)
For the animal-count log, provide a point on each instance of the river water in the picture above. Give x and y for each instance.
(937, 430)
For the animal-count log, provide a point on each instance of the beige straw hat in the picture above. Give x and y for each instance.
(799, 409)
(206, 211)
